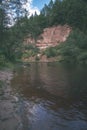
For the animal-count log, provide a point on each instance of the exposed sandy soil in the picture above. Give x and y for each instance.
(50, 37)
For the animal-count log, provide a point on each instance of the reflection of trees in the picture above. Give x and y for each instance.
(55, 87)
(54, 78)
(78, 84)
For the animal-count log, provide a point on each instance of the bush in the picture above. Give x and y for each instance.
(83, 57)
(72, 49)
(78, 38)
(51, 52)
(29, 47)
(2, 59)
(37, 58)
(30, 51)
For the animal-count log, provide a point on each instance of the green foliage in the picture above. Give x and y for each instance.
(71, 12)
(50, 52)
(4, 62)
(37, 58)
(30, 50)
(82, 58)
(2, 59)
(75, 47)
(11, 38)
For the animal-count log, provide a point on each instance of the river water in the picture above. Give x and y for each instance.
(51, 96)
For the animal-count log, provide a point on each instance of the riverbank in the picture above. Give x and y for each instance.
(42, 58)
(9, 119)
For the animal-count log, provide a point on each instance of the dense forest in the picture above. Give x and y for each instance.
(15, 27)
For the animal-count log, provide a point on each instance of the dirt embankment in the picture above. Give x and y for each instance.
(50, 37)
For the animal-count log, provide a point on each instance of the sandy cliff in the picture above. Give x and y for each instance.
(51, 36)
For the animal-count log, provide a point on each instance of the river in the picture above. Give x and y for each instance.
(51, 96)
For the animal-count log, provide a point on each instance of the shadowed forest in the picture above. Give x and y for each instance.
(15, 25)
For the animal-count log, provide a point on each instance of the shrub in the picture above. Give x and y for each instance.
(50, 52)
(37, 58)
(30, 51)
(83, 57)
(2, 59)
(72, 49)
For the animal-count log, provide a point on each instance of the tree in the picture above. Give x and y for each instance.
(3, 23)
(11, 37)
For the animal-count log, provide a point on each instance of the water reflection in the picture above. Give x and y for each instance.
(53, 96)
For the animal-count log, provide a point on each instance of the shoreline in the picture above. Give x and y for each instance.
(9, 119)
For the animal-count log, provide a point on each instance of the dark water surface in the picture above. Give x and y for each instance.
(51, 96)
